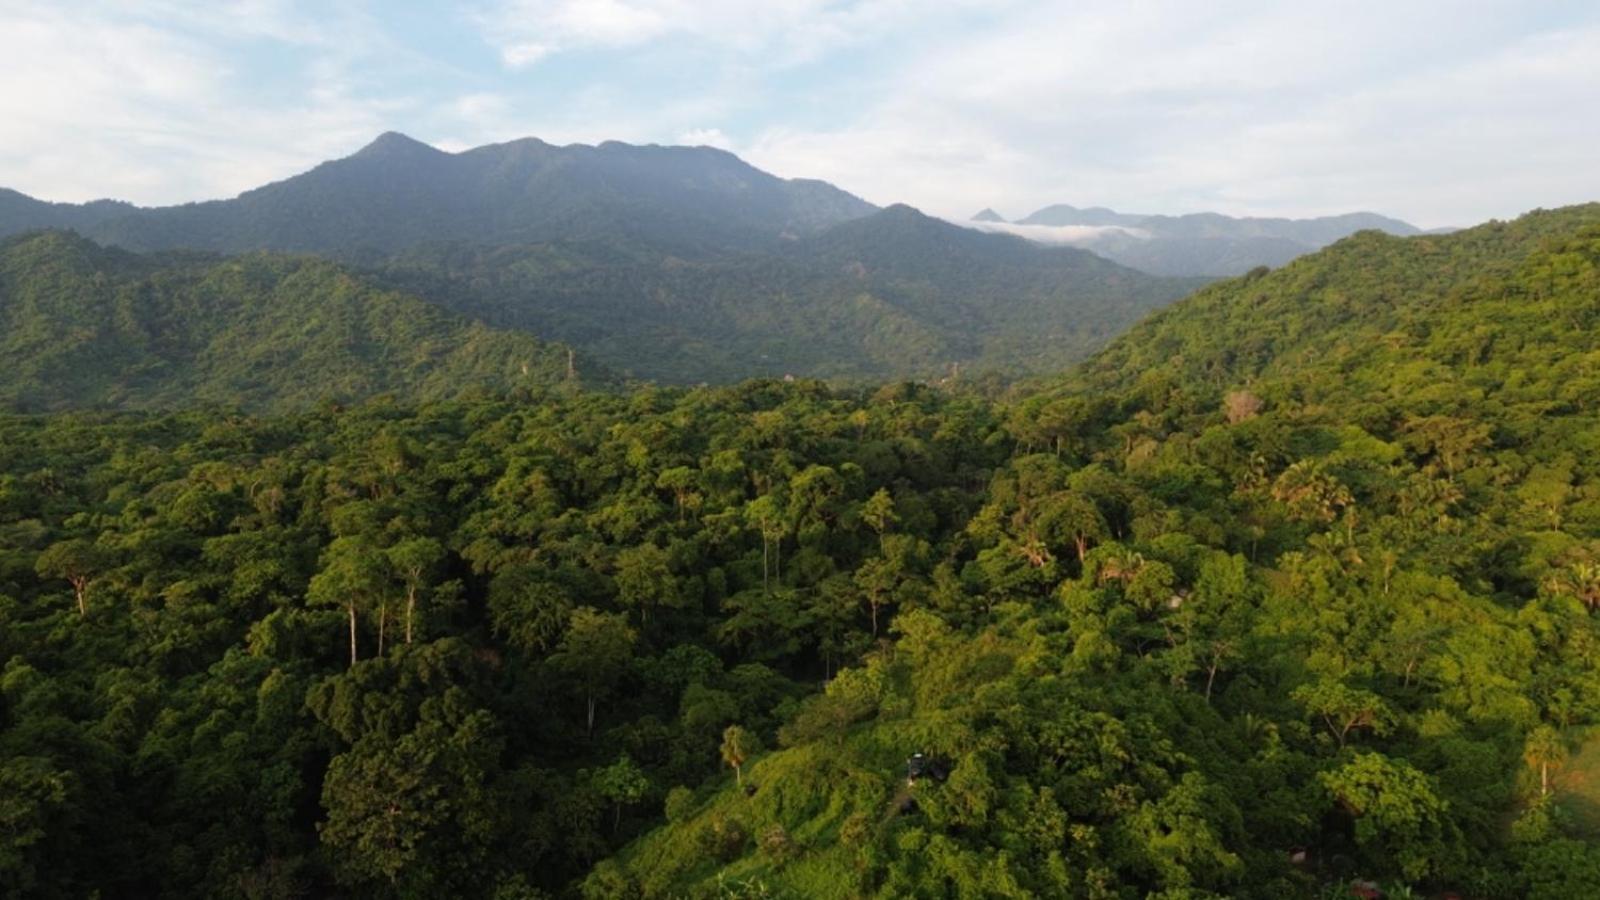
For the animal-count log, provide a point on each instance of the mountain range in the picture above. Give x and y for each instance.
(1204, 243)
(397, 192)
(679, 264)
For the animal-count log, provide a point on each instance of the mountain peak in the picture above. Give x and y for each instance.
(988, 215)
(903, 211)
(398, 192)
(392, 144)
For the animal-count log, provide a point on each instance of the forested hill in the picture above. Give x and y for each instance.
(1388, 315)
(19, 212)
(398, 192)
(891, 295)
(1290, 588)
(678, 264)
(87, 327)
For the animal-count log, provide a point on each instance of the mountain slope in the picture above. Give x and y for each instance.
(19, 212)
(83, 326)
(1293, 587)
(1372, 302)
(895, 294)
(1202, 243)
(674, 263)
(398, 192)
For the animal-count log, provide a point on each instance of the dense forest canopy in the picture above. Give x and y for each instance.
(1289, 588)
(84, 326)
(896, 294)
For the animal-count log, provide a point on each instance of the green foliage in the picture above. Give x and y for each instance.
(446, 649)
(1158, 642)
(895, 294)
(86, 327)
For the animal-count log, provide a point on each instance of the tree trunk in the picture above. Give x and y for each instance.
(411, 609)
(765, 588)
(1210, 677)
(873, 605)
(352, 608)
(1544, 779)
(738, 774)
(80, 587)
(591, 715)
(383, 624)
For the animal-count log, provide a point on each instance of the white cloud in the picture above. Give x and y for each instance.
(1419, 110)
(524, 53)
(113, 105)
(482, 106)
(1071, 235)
(1435, 110)
(705, 137)
(782, 32)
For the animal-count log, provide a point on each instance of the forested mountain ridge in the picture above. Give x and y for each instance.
(1318, 230)
(890, 295)
(1201, 243)
(1376, 304)
(398, 192)
(19, 213)
(679, 264)
(90, 327)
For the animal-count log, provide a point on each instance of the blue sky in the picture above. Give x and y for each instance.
(1438, 112)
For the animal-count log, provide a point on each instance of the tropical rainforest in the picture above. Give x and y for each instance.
(681, 265)
(1288, 591)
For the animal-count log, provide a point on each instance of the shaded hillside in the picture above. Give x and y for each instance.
(681, 264)
(83, 326)
(894, 294)
(19, 212)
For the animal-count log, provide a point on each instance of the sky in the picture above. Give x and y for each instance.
(1441, 113)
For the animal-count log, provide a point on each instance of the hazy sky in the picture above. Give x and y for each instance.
(1438, 112)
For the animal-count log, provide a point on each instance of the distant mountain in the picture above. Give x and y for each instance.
(673, 263)
(88, 327)
(1062, 214)
(398, 192)
(987, 215)
(894, 294)
(19, 212)
(1200, 243)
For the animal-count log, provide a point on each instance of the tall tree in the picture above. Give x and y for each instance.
(415, 560)
(353, 577)
(738, 745)
(595, 652)
(79, 562)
